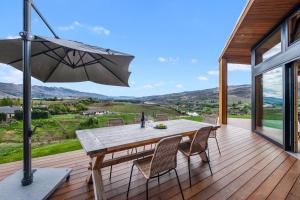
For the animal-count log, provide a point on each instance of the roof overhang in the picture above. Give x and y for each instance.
(258, 18)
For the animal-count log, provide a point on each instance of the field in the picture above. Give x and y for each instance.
(57, 133)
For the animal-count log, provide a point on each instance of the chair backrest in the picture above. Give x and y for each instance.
(165, 155)
(161, 117)
(211, 119)
(115, 122)
(136, 121)
(199, 142)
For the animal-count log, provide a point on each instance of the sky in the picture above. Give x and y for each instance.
(176, 43)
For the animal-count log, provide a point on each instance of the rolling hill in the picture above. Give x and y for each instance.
(41, 92)
(236, 93)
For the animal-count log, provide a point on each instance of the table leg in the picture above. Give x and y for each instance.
(97, 178)
(89, 178)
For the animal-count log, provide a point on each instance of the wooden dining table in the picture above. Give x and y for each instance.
(98, 142)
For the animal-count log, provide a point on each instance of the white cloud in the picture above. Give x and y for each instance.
(202, 78)
(161, 83)
(9, 74)
(66, 28)
(77, 23)
(132, 82)
(239, 67)
(179, 85)
(100, 30)
(154, 85)
(162, 59)
(95, 29)
(12, 36)
(168, 59)
(213, 72)
(148, 86)
(194, 61)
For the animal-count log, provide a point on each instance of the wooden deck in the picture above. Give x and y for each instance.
(249, 168)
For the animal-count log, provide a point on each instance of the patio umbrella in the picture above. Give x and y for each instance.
(52, 60)
(58, 60)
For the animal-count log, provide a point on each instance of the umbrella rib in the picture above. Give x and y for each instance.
(109, 70)
(53, 70)
(67, 54)
(37, 54)
(83, 64)
(62, 58)
(90, 63)
(79, 59)
(56, 59)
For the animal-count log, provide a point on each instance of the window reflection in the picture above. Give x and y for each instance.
(270, 47)
(294, 28)
(269, 104)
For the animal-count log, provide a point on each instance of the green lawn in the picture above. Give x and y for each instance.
(240, 116)
(57, 127)
(149, 110)
(13, 151)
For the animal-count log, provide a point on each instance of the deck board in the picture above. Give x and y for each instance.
(250, 167)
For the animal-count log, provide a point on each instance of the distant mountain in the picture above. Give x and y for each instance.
(236, 93)
(15, 90)
(273, 100)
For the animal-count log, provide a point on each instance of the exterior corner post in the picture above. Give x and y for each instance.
(223, 91)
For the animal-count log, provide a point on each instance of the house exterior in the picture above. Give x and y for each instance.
(267, 37)
(94, 111)
(9, 111)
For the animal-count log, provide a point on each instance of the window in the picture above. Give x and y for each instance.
(269, 104)
(294, 27)
(270, 47)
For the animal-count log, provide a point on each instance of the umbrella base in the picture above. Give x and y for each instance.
(45, 182)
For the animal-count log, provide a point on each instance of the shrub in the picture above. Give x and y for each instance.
(40, 114)
(55, 109)
(80, 107)
(35, 114)
(2, 117)
(18, 114)
(91, 122)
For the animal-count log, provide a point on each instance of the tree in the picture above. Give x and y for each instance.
(80, 107)
(2, 117)
(6, 102)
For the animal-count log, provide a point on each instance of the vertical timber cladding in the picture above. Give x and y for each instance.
(223, 96)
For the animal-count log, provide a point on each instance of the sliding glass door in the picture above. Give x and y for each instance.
(269, 104)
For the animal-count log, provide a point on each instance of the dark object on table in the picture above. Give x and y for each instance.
(143, 120)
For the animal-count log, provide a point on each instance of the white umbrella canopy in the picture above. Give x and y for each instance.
(58, 60)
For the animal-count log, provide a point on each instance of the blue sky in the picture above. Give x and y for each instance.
(176, 43)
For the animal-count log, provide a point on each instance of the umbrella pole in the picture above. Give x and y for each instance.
(26, 35)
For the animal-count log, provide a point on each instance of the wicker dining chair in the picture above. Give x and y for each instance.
(213, 134)
(161, 117)
(197, 146)
(161, 162)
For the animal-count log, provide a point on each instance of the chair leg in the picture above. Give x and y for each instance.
(179, 184)
(189, 167)
(147, 196)
(218, 145)
(129, 181)
(208, 152)
(110, 172)
(208, 161)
